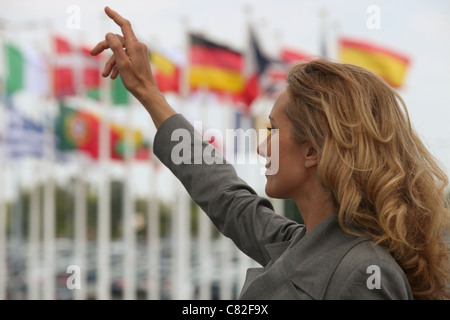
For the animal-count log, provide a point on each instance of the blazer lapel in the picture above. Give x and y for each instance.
(311, 261)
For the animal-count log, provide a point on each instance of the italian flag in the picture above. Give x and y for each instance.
(26, 70)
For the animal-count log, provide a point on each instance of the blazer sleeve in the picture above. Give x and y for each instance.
(232, 205)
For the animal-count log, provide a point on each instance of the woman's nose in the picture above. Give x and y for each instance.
(262, 149)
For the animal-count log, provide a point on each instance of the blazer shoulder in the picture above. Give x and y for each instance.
(368, 271)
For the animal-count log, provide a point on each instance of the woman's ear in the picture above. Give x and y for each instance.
(311, 156)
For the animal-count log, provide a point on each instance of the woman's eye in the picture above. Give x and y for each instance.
(271, 131)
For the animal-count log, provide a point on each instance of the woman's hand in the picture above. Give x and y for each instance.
(130, 58)
(131, 61)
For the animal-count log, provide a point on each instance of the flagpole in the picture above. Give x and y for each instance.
(3, 212)
(153, 236)
(128, 213)
(335, 40)
(184, 71)
(16, 235)
(323, 32)
(80, 227)
(3, 209)
(49, 225)
(80, 210)
(204, 259)
(104, 199)
(152, 221)
(48, 216)
(35, 214)
(153, 284)
(181, 209)
(181, 228)
(33, 240)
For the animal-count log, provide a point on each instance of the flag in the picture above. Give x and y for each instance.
(63, 68)
(256, 64)
(24, 137)
(26, 70)
(390, 65)
(143, 151)
(91, 73)
(274, 78)
(77, 130)
(215, 67)
(141, 147)
(266, 75)
(15, 77)
(291, 56)
(75, 71)
(165, 70)
(119, 94)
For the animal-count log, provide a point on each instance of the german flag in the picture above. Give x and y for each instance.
(389, 65)
(215, 67)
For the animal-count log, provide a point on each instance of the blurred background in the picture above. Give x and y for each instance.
(88, 212)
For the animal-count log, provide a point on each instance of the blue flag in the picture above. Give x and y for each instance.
(24, 137)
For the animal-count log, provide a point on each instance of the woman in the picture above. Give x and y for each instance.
(370, 194)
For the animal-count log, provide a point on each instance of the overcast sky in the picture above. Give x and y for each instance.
(418, 29)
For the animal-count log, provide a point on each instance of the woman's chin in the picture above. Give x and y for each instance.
(273, 192)
(270, 192)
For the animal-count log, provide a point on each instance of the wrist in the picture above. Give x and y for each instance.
(156, 105)
(147, 94)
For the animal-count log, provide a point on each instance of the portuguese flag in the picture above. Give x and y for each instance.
(77, 130)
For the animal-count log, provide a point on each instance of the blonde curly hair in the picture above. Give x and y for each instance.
(384, 181)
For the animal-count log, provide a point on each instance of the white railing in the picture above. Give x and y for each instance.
(37, 265)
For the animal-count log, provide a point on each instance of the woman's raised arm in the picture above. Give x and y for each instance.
(130, 60)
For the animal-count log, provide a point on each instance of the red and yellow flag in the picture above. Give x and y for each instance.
(389, 65)
(166, 72)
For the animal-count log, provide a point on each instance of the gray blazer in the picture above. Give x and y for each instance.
(326, 263)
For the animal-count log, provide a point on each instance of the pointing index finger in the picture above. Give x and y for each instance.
(123, 23)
